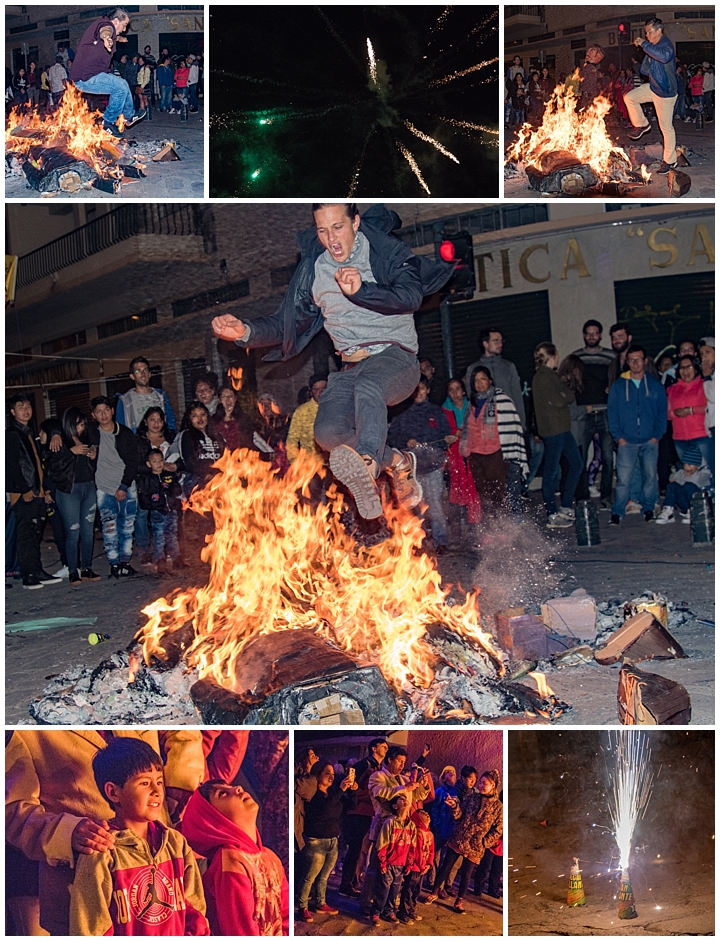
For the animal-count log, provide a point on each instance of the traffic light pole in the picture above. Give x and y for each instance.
(447, 337)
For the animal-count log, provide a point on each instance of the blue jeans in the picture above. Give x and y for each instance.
(320, 856)
(708, 100)
(117, 88)
(387, 890)
(433, 486)
(629, 456)
(557, 446)
(597, 423)
(193, 95)
(164, 532)
(704, 445)
(165, 97)
(679, 495)
(78, 509)
(353, 407)
(118, 524)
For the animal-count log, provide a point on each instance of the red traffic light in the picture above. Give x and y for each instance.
(622, 27)
(447, 250)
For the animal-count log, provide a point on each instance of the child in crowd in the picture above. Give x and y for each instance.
(159, 492)
(683, 484)
(245, 884)
(422, 860)
(396, 853)
(149, 883)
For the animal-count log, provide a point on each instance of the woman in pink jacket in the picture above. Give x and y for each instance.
(686, 410)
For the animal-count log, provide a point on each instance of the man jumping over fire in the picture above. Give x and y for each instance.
(363, 285)
(659, 66)
(91, 70)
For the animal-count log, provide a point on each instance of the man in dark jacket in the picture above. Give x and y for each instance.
(659, 66)
(424, 429)
(117, 464)
(363, 285)
(91, 70)
(356, 824)
(504, 373)
(24, 484)
(637, 415)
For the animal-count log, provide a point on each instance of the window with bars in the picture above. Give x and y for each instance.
(126, 324)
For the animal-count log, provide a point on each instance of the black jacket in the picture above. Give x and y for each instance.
(22, 474)
(402, 280)
(159, 492)
(61, 466)
(126, 447)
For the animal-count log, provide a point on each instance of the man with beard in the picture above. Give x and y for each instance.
(596, 361)
(620, 340)
(361, 283)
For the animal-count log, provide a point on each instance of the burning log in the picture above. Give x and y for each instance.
(642, 637)
(50, 169)
(649, 699)
(540, 701)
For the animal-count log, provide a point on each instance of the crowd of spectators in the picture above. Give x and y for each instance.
(397, 835)
(601, 417)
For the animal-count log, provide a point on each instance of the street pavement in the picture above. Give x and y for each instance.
(517, 564)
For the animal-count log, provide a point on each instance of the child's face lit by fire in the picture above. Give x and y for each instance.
(140, 799)
(234, 803)
(156, 463)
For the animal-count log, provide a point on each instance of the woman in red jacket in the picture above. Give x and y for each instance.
(686, 410)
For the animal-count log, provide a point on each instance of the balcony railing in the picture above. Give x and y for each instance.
(110, 229)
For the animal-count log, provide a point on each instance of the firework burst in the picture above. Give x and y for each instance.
(630, 784)
(358, 101)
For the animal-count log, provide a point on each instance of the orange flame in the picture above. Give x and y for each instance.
(276, 563)
(235, 374)
(73, 128)
(542, 685)
(581, 133)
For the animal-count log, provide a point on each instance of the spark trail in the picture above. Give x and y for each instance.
(413, 166)
(372, 63)
(453, 75)
(631, 780)
(430, 140)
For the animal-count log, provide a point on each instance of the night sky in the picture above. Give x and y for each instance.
(304, 71)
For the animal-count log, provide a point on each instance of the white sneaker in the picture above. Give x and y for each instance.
(632, 507)
(567, 511)
(558, 521)
(667, 515)
(685, 517)
(594, 492)
(62, 573)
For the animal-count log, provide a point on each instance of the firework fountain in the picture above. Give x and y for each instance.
(630, 786)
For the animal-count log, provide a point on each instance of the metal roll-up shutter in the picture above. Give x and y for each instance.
(663, 311)
(523, 318)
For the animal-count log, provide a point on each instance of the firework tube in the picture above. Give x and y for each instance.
(626, 903)
(576, 893)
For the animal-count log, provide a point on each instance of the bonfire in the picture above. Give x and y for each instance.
(568, 137)
(280, 563)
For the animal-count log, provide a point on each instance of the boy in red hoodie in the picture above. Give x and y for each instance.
(149, 883)
(423, 856)
(396, 853)
(245, 884)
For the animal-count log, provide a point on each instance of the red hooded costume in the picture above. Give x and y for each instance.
(246, 889)
(424, 845)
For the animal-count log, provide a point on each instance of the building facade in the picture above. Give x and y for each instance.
(34, 33)
(558, 36)
(99, 284)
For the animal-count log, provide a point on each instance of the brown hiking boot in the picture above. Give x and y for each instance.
(404, 482)
(357, 473)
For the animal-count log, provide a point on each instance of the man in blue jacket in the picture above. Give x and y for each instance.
(363, 285)
(637, 415)
(659, 66)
